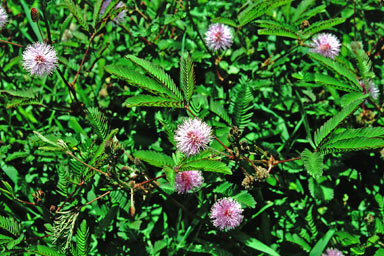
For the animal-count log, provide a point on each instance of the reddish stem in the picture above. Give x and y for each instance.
(7, 42)
(97, 198)
(83, 60)
(70, 196)
(288, 160)
(91, 167)
(150, 180)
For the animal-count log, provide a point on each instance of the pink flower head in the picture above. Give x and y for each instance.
(39, 59)
(3, 17)
(188, 181)
(218, 37)
(326, 44)
(332, 252)
(192, 136)
(226, 214)
(370, 88)
(120, 17)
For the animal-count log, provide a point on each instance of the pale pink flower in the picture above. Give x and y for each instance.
(226, 214)
(326, 44)
(192, 136)
(188, 181)
(218, 37)
(39, 59)
(120, 17)
(370, 88)
(3, 17)
(332, 252)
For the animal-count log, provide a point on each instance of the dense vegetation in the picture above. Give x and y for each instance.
(276, 107)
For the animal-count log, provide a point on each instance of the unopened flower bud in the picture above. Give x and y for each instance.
(35, 15)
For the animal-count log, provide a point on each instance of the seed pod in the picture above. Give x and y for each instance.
(35, 15)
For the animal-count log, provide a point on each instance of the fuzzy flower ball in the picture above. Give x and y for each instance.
(218, 37)
(326, 44)
(188, 181)
(39, 59)
(192, 136)
(120, 17)
(226, 214)
(3, 17)
(332, 252)
(370, 88)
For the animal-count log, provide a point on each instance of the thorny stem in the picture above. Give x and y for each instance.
(97, 198)
(70, 196)
(82, 62)
(91, 167)
(7, 42)
(287, 160)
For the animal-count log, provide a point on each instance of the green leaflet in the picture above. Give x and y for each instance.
(245, 198)
(77, 12)
(368, 132)
(82, 236)
(154, 158)
(328, 127)
(330, 81)
(158, 74)
(257, 9)
(313, 162)
(225, 21)
(241, 104)
(170, 174)
(364, 63)
(253, 243)
(99, 122)
(337, 68)
(136, 79)
(44, 251)
(11, 225)
(321, 25)
(206, 165)
(187, 76)
(278, 32)
(301, 9)
(218, 109)
(352, 144)
(152, 101)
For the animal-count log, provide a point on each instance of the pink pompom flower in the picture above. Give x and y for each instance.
(332, 252)
(192, 136)
(218, 37)
(3, 17)
(39, 59)
(226, 214)
(370, 88)
(120, 17)
(188, 181)
(326, 44)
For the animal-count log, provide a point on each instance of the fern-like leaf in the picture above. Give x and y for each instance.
(313, 162)
(278, 32)
(99, 122)
(337, 68)
(368, 132)
(363, 61)
(311, 224)
(154, 158)
(187, 76)
(241, 104)
(330, 81)
(43, 251)
(328, 127)
(206, 165)
(321, 25)
(28, 93)
(352, 144)
(152, 101)
(11, 225)
(82, 235)
(136, 79)
(159, 74)
(258, 8)
(77, 13)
